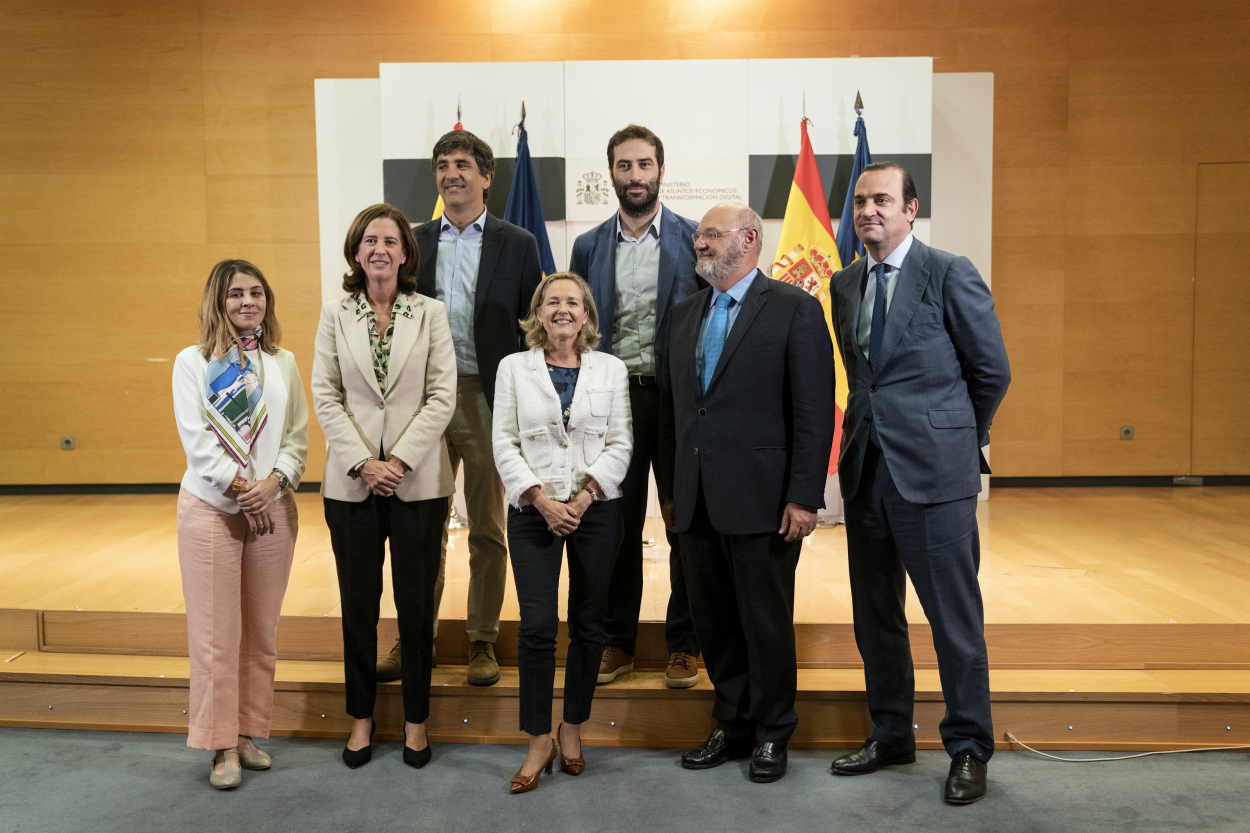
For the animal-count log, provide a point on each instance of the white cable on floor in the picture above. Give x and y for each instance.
(1012, 737)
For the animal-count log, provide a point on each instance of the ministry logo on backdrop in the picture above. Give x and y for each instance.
(592, 189)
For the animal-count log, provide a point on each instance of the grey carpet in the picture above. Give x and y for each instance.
(106, 781)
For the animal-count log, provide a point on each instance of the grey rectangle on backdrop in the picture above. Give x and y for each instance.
(408, 184)
(771, 176)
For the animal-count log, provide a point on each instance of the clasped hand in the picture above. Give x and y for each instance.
(383, 476)
(563, 518)
(256, 499)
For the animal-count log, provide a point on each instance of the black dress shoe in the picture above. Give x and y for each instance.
(355, 758)
(966, 781)
(768, 762)
(872, 756)
(417, 758)
(716, 750)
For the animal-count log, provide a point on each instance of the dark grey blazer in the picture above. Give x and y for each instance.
(507, 276)
(933, 391)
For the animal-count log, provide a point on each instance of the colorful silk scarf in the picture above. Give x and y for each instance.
(234, 388)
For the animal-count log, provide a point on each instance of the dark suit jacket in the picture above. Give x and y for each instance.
(933, 391)
(594, 258)
(760, 437)
(507, 276)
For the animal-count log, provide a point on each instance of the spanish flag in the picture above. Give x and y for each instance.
(807, 256)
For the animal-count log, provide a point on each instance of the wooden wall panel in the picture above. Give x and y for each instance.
(168, 135)
(1222, 321)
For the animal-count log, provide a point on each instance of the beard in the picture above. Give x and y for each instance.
(714, 269)
(637, 206)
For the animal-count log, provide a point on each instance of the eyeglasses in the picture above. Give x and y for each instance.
(711, 235)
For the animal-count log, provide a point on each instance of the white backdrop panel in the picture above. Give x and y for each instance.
(898, 101)
(695, 107)
(349, 165)
(419, 105)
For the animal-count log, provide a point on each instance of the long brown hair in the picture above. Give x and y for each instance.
(354, 281)
(217, 334)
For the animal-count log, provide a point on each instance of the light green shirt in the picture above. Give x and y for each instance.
(637, 283)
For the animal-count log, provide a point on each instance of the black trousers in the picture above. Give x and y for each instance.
(357, 534)
(937, 545)
(742, 597)
(626, 595)
(536, 555)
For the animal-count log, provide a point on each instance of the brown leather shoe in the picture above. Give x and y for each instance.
(614, 664)
(573, 766)
(682, 670)
(390, 667)
(522, 784)
(483, 667)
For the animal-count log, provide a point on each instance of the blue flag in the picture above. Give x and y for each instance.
(524, 208)
(849, 246)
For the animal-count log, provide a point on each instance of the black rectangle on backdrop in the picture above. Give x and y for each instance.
(772, 175)
(408, 184)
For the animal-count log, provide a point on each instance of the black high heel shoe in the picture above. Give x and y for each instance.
(417, 758)
(355, 758)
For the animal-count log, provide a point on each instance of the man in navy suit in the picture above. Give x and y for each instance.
(746, 429)
(639, 263)
(927, 369)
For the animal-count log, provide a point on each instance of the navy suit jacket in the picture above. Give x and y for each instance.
(933, 391)
(594, 258)
(507, 275)
(759, 437)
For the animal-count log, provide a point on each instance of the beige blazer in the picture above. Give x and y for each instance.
(533, 448)
(408, 421)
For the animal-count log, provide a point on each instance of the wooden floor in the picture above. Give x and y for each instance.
(1117, 619)
(1082, 555)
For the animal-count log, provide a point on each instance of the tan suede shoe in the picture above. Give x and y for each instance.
(483, 667)
(391, 666)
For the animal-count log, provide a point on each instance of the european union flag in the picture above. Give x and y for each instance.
(524, 208)
(849, 246)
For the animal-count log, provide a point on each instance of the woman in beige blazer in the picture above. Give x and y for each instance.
(384, 388)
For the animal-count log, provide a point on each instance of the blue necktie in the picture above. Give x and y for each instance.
(714, 337)
(876, 332)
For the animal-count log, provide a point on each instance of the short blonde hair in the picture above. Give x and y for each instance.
(217, 334)
(536, 335)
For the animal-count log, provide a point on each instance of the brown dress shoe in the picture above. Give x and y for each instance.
(682, 670)
(615, 663)
(483, 667)
(391, 666)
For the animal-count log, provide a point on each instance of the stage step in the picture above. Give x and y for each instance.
(1063, 708)
(827, 646)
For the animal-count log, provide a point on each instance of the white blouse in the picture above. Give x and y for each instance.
(283, 445)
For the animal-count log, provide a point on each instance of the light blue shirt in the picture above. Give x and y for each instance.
(736, 293)
(459, 255)
(893, 259)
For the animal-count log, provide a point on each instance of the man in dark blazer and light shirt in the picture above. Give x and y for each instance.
(927, 369)
(485, 271)
(639, 264)
(746, 429)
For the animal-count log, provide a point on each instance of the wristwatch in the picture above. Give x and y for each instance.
(283, 482)
(595, 494)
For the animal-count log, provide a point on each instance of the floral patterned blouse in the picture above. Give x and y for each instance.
(380, 344)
